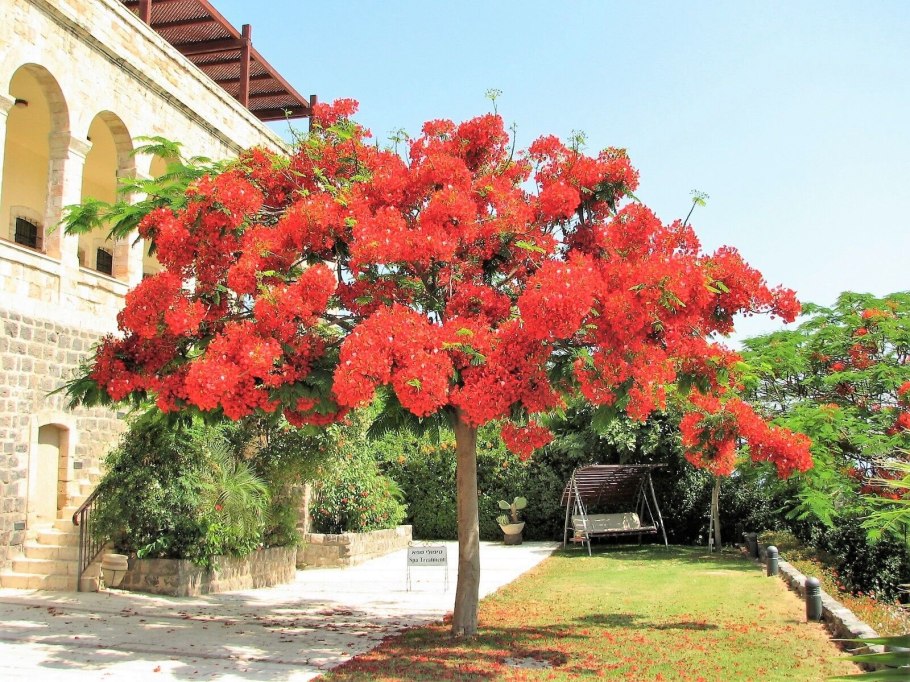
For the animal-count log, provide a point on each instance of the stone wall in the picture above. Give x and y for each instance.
(89, 59)
(36, 356)
(841, 622)
(183, 578)
(322, 550)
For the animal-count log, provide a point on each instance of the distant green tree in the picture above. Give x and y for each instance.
(843, 378)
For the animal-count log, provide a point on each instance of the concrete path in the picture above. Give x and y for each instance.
(289, 633)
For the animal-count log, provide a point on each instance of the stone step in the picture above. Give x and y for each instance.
(35, 550)
(45, 566)
(37, 581)
(64, 524)
(84, 486)
(90, 583)
(54, 536)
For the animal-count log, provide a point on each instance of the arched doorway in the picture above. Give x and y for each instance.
(49, 471)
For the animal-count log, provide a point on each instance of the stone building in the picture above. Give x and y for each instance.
(80, 81)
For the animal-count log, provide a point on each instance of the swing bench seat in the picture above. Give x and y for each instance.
(607, 524)
(618, 487)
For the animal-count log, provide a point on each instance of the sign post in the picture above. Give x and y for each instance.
(426, 556)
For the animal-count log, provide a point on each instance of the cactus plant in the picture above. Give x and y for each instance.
(513, 508)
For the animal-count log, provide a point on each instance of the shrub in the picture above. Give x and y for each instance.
(286, 458)
(177, 493)
(184, 490)
(426, 474)
(863, 565)
(355, 496)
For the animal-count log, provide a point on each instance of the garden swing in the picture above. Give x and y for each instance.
(626, 489)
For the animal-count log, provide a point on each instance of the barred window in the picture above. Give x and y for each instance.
(27, 234)
(104, 261)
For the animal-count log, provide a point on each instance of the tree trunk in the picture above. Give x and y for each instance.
(467, 591)
(715, 512)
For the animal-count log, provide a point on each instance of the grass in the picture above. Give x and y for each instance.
(639, 613)
(887, 619)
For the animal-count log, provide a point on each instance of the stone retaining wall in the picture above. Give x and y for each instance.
(183, 578)
(840, 621)
(321, 550)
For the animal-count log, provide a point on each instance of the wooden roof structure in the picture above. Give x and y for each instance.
(202, 35)
(614, 483)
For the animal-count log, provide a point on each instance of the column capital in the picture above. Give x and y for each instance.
(63, 144)
(6, 103)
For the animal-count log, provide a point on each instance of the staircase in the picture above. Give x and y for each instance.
(50, 560)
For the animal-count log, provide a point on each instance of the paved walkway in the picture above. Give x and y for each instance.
(289, 633)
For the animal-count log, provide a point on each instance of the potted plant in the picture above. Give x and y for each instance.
(511, 524)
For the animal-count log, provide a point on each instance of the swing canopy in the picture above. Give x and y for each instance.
(626, 489)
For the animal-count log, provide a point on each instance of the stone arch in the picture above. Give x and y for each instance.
(36, 114)
(52, 447)
(109, 159)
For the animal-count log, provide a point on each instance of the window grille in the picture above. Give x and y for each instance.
(28, 234)
(104, 261)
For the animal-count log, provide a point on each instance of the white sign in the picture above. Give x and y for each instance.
(427, 556)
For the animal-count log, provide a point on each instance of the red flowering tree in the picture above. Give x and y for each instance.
(467, 280)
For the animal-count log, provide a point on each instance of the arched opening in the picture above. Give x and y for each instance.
(108, 159)
(50, 473)
(38, 113)
(150, 264)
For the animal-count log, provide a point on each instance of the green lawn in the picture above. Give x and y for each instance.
(627, 613)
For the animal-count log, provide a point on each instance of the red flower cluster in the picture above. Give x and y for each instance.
(710, 436)
(443, 276)
(524, 440)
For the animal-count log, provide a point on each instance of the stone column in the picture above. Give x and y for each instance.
(67, 162)
(6, 103)
(129, 251)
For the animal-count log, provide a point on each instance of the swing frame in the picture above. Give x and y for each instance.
(627, 486)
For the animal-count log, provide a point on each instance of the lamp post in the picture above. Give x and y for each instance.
(813, 599)
(773, 557)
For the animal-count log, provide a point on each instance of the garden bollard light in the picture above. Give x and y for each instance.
(813, 599)
(772, 559)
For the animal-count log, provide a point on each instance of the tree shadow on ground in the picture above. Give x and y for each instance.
(700, 556)
(632, 621)
(183, 640)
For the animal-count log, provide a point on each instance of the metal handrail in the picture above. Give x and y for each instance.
(89, 546)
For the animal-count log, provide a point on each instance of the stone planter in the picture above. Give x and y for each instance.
(511, 533)
(183, 578)
(113, 568)
(325, 550)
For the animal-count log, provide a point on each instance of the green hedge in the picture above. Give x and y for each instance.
(425, 470)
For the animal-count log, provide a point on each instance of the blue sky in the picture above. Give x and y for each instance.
(793, 116)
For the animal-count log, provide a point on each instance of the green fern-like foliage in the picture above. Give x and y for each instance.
(388, 417)
(231, 495)
(122, 216)
(891, 515)
(892, 664)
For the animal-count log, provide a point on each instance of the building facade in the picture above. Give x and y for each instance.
(80, 82)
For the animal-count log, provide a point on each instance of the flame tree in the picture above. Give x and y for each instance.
(462, 280)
